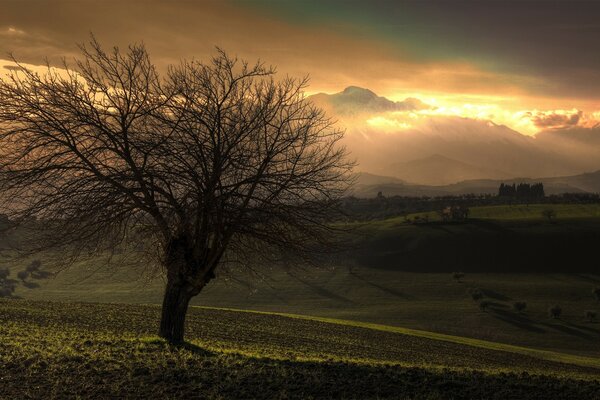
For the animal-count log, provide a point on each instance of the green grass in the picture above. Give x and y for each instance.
(542, 354)
(58, 350)
(401, 277)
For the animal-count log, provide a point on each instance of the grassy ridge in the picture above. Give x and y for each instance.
(56, 350)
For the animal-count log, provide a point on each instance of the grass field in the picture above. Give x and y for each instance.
(400, 276)
(57, 350)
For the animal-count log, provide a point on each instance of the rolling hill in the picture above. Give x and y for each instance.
(109, 351)
(400, 274)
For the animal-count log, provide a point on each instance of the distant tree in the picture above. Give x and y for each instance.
(34, 266)
(519, 306)
(549, 214)
(590, 315)
(596, 293)
(476, 294)
(524, 191)
(458, 276)
(211, 163)
(555, 311)
(7, 286)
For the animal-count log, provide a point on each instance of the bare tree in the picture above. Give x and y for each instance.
(214, 162)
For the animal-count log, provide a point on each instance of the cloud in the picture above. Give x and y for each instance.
(554, 119)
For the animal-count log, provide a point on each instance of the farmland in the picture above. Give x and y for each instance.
(393, 296)
(103, 350)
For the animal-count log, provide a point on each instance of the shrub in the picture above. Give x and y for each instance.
(6, 291)
(596, 293)
(22, 275)
(555, 311)
(34, 266)
(590, 315)
(4, 273)
(549, 213)
(457, 276)
(484, 305)
(476, 294)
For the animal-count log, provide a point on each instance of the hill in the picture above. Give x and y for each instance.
(399, 274)
(109, 351)
(588, 182)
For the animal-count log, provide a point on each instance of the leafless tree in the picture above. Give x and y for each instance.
(213, 162)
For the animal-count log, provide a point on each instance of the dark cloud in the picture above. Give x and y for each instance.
(554, 41)
(555, 119)
(546, 47)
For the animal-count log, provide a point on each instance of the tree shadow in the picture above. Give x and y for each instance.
(518, 320)
(31, 285)
(572, 330)
(385, 289)
(321, 291)
(193, 348)
(495, 295)
(496, 306)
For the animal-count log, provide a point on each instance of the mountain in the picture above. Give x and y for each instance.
(355, 100)
(367, 179)
(441, 170)
(583, 183)
(397, 139)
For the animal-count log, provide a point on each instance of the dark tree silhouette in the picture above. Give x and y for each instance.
(549, 214)
(523, 191)
(555, 311)
(212, 163)
(458, 276)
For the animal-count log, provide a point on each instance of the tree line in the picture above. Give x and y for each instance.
(522, 190)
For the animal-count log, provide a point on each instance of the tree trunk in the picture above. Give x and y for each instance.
(174, 310)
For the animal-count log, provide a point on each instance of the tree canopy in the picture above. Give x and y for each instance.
(206, 163)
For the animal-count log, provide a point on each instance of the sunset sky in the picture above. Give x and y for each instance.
(531, 65)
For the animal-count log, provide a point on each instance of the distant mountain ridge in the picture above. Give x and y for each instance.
(457, 148)
(440, 170)
(583, 183)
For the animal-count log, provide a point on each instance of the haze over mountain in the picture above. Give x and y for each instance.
(369, 185)
(411, 141)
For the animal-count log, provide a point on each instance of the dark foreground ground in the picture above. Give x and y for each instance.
(61, 350)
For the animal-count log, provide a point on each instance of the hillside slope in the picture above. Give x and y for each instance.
(100, 351)
(400, 275)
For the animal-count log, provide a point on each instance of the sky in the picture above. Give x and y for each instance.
(531, 65)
